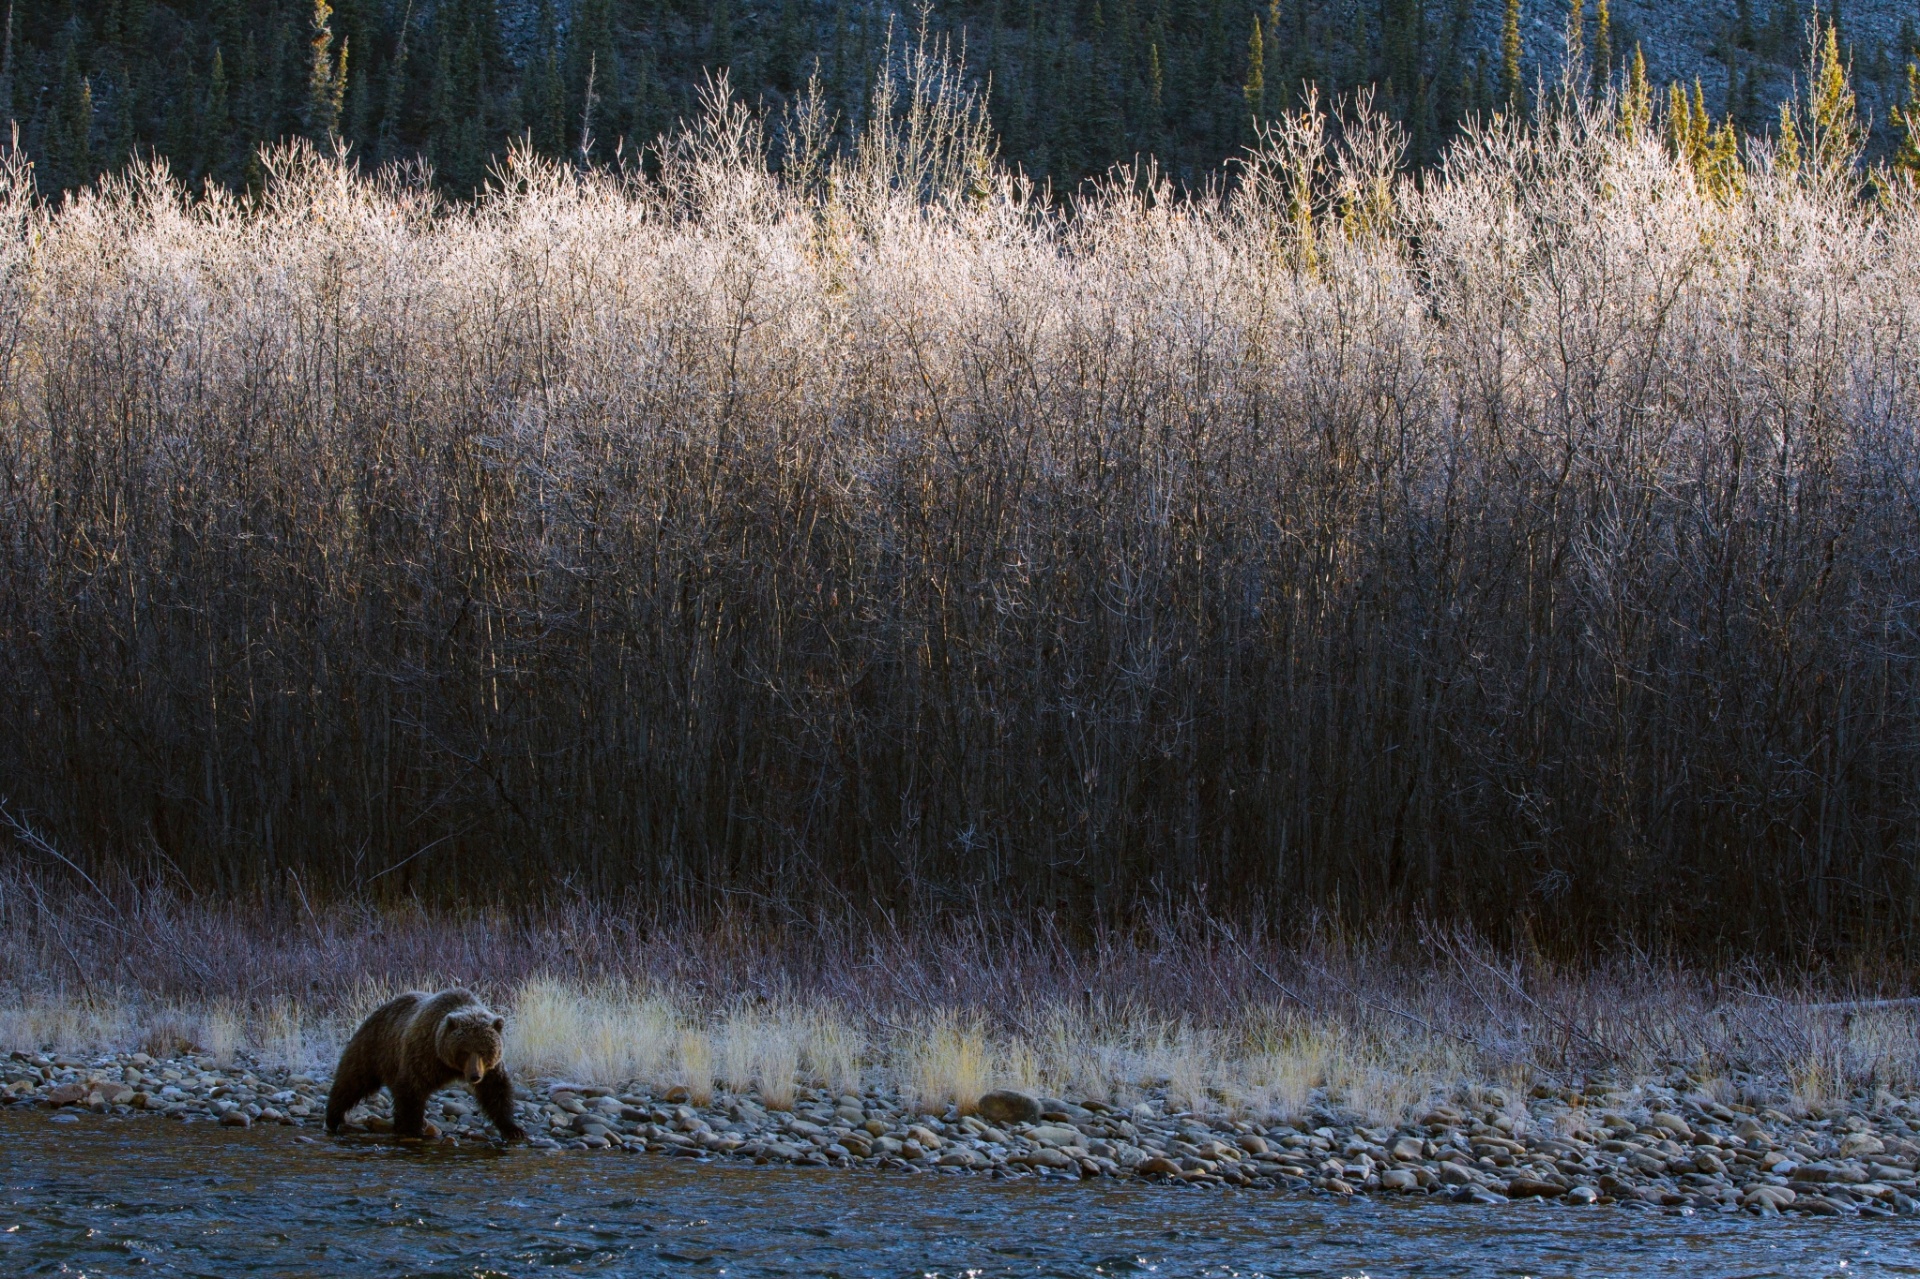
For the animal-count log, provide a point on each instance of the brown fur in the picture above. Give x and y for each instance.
(415, 1046)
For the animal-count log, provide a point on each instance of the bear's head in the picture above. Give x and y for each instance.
(469, 1042)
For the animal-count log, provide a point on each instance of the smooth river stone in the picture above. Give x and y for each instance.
(1008, 1106)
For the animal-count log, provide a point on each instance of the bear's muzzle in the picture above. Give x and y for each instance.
(476, 1068)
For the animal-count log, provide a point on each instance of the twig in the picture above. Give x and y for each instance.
(1257, 967)
(1839, 1005)
(1390, 1010)
(32, 838)
(1606, 1050)
(427, 847)
(59, 934)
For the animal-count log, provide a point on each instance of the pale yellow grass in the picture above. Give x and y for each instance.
(760, 1053)
(63, 1027)
(832, 1051)
(1265, 1063)
(603, 1035)
(944, 1062)
(694, 1059)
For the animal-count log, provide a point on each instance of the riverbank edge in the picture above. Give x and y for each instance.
(1662, 1149)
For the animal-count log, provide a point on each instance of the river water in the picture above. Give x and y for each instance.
(144, 1197)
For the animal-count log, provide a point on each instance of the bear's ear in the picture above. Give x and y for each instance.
(499, 1023)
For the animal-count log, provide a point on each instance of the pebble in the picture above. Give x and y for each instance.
(1648, 1148)
(66, 1094)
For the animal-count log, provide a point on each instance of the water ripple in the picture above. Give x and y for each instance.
(106, 1198)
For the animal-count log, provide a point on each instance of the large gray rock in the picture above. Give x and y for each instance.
(1008, 1106)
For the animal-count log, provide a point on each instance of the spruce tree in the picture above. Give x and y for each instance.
(394, 96)
(1786, 145)
(1906, 118)
(326, 77)
(1834, 135)
(784, 54)
(1602, 47)
(837, 69)
(1576, 39)
(69, 128)
(1636, 98)
(1156, 100)
(216, 121)
(1783, 26)
(543, 105)
(1511, 87)
(1105, 130)
(719, 33)
(1254, 90)
(1359, 60)
(595, 100)
(6, 69)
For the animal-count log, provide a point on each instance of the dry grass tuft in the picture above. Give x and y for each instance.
(760, 1052)
(595, 1035)
(944, 1062)
(834, 1051)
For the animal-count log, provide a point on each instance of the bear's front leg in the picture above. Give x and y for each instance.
(495, 1095)
(409, 1113)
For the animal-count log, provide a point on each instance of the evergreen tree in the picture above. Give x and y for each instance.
(1636, 98)
(1906, 118)
(1359, 60)
(1786, 149)
(1104, 135)
(783, 57)
(593, 74)
(1074, 86)
(719, 33)
(1576, 39)
(1602, 47)
(543, 107)
(216, 121)
(1834, 135)
(396, 89)
(1156, 99)
(6, 69)
(326, 77)
(1512, 89)
(1255, 88)
(1783, 27)
(69, 129)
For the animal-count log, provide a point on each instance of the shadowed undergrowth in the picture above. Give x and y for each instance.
(1187, 1007)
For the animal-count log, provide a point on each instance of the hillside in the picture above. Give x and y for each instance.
(1075, 86)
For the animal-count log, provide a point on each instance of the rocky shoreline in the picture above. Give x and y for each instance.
(1653, 1146)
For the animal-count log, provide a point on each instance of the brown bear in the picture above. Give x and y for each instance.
(416, 1045)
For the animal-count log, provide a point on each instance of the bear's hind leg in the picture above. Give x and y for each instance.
(494, 1092)
(354, 1081)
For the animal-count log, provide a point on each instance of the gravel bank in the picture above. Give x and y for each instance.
(1651, 1147)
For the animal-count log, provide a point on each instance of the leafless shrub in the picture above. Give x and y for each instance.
(1530, 551)
(1377, 1027)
